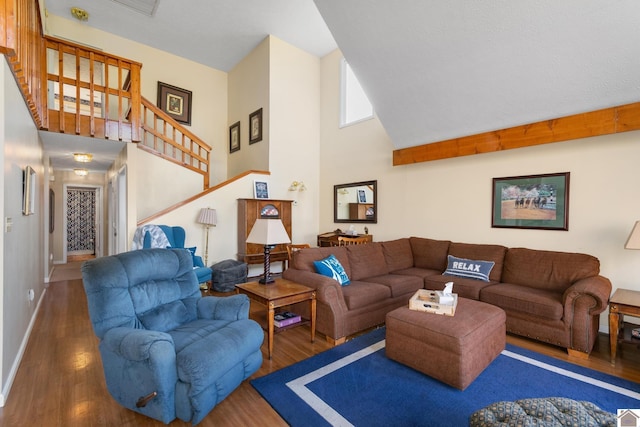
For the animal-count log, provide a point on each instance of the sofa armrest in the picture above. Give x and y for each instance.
(328, 290)
(234, 307)
(596, 287)
(136, 344)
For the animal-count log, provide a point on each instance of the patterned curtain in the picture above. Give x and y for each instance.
(81, 227)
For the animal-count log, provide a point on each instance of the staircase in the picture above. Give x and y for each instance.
(77, 90)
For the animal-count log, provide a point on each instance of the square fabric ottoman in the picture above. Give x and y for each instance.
(227, 274)
(452, 349)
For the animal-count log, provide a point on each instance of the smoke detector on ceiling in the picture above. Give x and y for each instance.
(146, 7)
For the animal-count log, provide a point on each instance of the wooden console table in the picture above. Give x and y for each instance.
(623, 302)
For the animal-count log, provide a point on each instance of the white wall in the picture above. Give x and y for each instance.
(451, 199)
(23, 246)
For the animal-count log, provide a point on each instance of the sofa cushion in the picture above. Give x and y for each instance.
(366, 261)
(305, 257)
(422, 273)
(465, 288)
(549, 270)
(537, 302)
(331, 267)
(493, 253)
(469, 268)
(362, 294)
(429, 253)
(398, 254)
(399, 284)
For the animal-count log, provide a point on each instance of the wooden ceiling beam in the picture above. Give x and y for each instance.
(623, 118)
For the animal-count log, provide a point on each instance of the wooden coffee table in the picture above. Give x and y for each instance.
(281, 293)
(623, 301)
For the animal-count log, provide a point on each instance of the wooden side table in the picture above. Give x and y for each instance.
(278, 294)
(623, 301)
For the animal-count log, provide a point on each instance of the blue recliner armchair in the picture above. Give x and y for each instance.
(176, 237)
(168, 352)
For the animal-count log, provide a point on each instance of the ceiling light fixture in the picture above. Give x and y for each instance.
(82, 157)
(81, 172)
(79, 14)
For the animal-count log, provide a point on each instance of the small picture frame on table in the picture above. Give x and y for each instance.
(234, 137)
(260, 189)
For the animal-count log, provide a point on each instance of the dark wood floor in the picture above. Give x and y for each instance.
(60, 380)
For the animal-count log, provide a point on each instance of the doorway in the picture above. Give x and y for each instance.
(82, 219)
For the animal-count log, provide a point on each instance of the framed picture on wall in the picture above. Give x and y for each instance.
(255, 126)
(234, 137)
(533, 201)
(175, 102)
(28, 191)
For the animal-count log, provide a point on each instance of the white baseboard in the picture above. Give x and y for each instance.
(16, 363)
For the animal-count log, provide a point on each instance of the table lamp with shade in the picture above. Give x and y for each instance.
(268, 232)
(633, 242)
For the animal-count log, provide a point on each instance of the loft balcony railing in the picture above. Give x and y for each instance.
(91, 93)
(75, 89)
(95, 94)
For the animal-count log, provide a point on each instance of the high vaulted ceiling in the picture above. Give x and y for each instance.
(434, 70)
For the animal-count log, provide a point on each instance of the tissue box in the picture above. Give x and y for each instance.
(444, 299)
(427, 301)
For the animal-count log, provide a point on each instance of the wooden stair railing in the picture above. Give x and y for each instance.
(166, 138)
(91, 93)
(75, 89)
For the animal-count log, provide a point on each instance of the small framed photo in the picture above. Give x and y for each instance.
(533, 201)
(260, 189)
(234, 137)
(362, 197)
(255, 126)
(175, 102)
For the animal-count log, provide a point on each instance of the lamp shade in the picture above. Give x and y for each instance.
(268, 232)
(633, 242)
(208, 216)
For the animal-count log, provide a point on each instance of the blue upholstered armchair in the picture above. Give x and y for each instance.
(167, 351)
(176, 237)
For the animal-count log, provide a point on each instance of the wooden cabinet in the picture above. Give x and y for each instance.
(331, 238)
(248, 211)
(360, 210)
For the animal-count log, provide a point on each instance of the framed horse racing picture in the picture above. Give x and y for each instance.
(533, 201)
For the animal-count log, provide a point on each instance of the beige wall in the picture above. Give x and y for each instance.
(293, 122)
(451, 199)
(249, 91)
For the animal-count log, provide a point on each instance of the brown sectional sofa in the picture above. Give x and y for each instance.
(555, 297)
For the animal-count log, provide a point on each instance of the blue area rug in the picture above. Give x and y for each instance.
(355, 384)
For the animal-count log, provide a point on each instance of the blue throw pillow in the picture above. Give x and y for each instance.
(468, 268)
(331, 267)
(193, 255)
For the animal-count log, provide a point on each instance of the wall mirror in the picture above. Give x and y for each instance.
(355, 202)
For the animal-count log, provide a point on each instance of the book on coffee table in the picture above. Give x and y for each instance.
(427, 301)
(286, 318)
